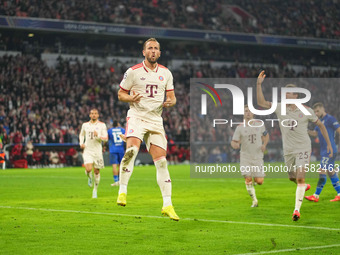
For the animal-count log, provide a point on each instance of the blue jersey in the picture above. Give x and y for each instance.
(331, 125)
(116, 144)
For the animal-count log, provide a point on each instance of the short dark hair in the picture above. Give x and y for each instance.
(115, 123)
(293, 86)
(152, 39)
(318, 104)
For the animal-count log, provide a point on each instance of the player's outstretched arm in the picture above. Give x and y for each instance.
(261, 101)
(124, 96)
(325, 135)
(170, 99)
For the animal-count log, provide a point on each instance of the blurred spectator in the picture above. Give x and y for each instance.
(16, 152)
(62, 157)
(54, 157)
(72, 157)
(37, 156)
(2, 159)
(29, 153)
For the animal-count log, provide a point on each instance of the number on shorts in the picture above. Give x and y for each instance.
(303, 155)
(324, 161)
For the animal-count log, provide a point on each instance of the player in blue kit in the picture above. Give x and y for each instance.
(116, 148)
(327, 163)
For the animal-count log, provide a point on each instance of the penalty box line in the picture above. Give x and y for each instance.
(292, 250)
(182, 219)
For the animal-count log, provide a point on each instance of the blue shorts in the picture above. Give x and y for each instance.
(327, 163)
(116, 158)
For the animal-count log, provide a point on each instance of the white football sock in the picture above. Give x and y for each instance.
(122, 188)
(251, 191)
(300, 192)
(163, 180)
(96, 181)
(126, 168)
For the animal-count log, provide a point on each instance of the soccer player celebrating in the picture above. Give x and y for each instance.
(296, 142)
(327, 162)
(116, 148)
(253, 139)
(143, 87)
(91, 136)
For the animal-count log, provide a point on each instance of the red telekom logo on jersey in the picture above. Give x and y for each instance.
(152, 90)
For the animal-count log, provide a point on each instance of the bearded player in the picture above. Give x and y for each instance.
(91, 136)
(144, 87)
(253, 139)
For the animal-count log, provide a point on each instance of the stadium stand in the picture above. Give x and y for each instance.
(302, 18)
(45, 102)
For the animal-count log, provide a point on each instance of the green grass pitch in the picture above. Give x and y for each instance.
(50, 211)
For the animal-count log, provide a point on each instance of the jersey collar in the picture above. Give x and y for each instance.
(93, 123)
(147, 69)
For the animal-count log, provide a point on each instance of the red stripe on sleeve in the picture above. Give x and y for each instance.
(124, 89)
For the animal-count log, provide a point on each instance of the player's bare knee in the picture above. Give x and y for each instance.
(88, 168)
(300, 180)
(292, 179)
(133, 142)
(259, 181)
(248, 180)
(157, 152)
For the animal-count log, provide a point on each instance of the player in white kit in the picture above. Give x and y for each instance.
(253, 138)
(144, 87)
(91, 136)
(295, 139)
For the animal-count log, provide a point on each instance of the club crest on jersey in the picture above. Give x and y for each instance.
(161, 78)
(131, 131)
(300, 115)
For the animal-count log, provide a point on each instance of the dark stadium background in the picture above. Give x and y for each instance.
(60, 58)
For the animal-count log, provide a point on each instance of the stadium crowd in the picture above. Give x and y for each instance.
(48, 105)
(292, 18)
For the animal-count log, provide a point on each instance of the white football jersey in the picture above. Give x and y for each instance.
(152, 85)
(250, 139)
(86, 136)
(295, 139)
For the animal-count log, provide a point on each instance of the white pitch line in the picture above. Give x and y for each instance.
(224, 180)
(182, 219)
(291, 250)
